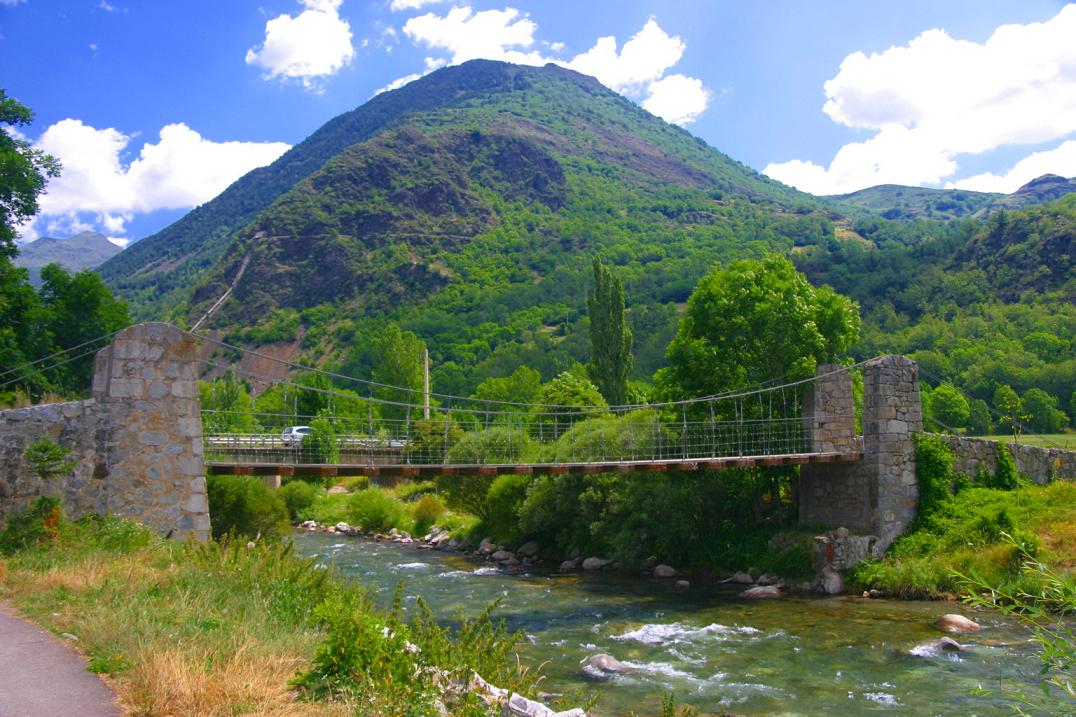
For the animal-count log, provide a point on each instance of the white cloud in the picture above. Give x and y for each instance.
(182, 169)
(937, 98)
(637, 69)
(677, 98)
(1059, 160)
(313, 45)
(397, 5)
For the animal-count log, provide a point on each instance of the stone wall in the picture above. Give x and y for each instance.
(833, 415)
(1039, 464)
(877, 495)
(138, 441)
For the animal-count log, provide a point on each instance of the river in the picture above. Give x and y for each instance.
(792, 656)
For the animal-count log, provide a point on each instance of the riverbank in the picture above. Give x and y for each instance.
(236, 628)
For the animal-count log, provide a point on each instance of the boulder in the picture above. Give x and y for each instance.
(759, 592)
(486, 547)
(601, 666)
(342, 527)
(740, 578)
(936, 648)
(441, 539)
(527, 550)
(593, 563)
(956, 624)
(502, 556)
(767, 579)
(830, 581)
(665, 571)
(569, 565)
(681, 584)
(309, 524)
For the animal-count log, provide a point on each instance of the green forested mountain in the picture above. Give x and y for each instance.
(467, 207)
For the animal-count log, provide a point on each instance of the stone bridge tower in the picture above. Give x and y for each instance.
(879, 494)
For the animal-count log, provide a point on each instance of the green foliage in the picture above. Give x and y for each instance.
(1009, 405)
(610, 336)
(755, 321)
(375, 511)
(227, 406)
(320, 446)
(244, 506)
(397, 358)
(412, 490)
(498, 444)
(638, 433)
(432, 440)
(948, 407)
(1006, 475)
(48, 459)
(24, 170)
(1041, 409)
(38, 523)
(979, 421)
(520, 388)
(934, 472)
(297, 496)
(466, 493)
(427, 511)
(559, 397)
(504, 499)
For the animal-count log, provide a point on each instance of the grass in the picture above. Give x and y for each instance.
(1066, 441)
(229, 629)
(966, 535)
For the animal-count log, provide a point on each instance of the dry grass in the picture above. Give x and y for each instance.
(197, 681)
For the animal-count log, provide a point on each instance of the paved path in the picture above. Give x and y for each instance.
(42, 677)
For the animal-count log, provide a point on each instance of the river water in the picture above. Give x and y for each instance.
(712, 650)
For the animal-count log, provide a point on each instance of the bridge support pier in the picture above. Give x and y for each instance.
(879, 494)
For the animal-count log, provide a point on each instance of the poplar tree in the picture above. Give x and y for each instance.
(610, 337)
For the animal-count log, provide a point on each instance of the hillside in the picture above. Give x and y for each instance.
(82, 251)
(158, 273)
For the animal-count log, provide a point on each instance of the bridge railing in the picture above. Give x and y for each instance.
(638, 436)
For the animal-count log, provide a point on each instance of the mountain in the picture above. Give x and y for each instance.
(897, 202)
(900, 203)
(466, 206)
(548, 110)
(82, 251)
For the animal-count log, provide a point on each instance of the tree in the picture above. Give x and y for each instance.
(397, 358)
(756, 321)
(979, 421)
(1043, 414)
(610, 337)
(559, 397)
(23, 174)
(518, 388)
(948, 407)
(227, 406)
(1008, 404)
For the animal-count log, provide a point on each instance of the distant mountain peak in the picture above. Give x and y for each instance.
(85, 250)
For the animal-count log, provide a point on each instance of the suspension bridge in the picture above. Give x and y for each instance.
(381, 430)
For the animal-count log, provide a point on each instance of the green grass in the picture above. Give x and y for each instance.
(1049, 440)
(965, 535)
(227, 629)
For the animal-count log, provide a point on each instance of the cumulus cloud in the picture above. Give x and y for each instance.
(397, 5)
(308, 48)
(181, 169)
(1060, 160)
(938, 97)
(636, 69)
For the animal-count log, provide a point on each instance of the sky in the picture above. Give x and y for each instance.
(156, 106)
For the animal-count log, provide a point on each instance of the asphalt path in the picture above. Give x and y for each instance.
(40, 676)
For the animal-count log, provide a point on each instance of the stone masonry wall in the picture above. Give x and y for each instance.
(1039, 464)
(833, 415)
(878, 494)
(138, 441)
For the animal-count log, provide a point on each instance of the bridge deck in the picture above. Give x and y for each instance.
(435, 469)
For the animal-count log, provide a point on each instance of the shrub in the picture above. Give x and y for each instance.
(412, 490)
(427, 511)
(297, 496)
(499, 444)
(354, 483)
(504, 499)
(431, 440)
(319, 446)
(375, 511)
(48, 459)
(243, 505)
(934, 469)
(38, 523)
(1006, 476)
(466, 493)
(636, 434)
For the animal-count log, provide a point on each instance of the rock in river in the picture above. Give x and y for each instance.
(595, 563)
(762, 591)
(665, 571)
(956, 623)
(601, 666)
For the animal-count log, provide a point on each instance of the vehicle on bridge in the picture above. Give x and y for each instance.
(292, 436)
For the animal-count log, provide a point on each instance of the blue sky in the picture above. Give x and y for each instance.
(156, 106)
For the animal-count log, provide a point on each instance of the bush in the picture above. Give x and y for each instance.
(243, 505)
(636, 434)
(375, 511)
(500, 444)
(934, 469)
(319, 446)
(297, 496)
(427, 511)
(1006, 476)
(354, 483)
(504, 499)
(412, 491)
(38, 523)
